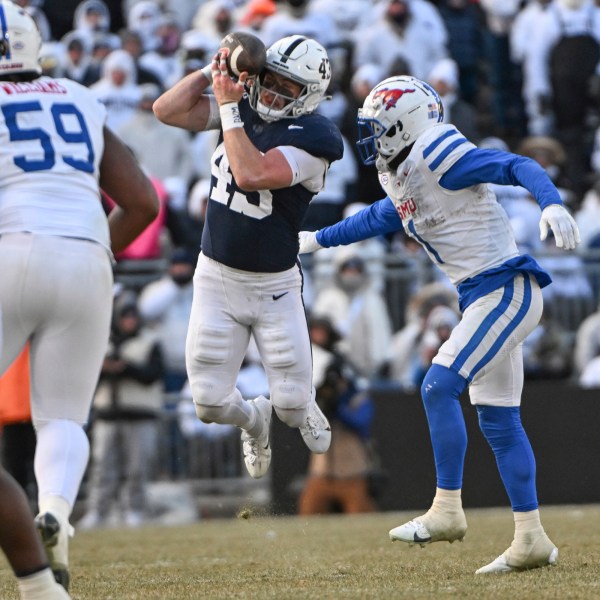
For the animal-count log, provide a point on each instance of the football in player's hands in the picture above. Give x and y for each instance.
(246, 53)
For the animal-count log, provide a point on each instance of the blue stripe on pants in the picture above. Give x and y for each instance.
(484, 328)
(488, 322)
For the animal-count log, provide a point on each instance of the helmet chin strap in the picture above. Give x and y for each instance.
(388, 165)
(381, 164)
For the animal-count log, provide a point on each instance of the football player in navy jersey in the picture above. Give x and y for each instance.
(271, 159)
(435, 180)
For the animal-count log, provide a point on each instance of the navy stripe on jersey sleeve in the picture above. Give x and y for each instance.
(378, 219)
(503, 168)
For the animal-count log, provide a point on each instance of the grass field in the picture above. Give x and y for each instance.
(265, 557)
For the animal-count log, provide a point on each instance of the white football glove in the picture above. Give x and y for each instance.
(566, 232)
(308, 242)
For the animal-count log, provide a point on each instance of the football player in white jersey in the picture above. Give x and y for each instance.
(56, 249)
(435, 180)
(271, 159)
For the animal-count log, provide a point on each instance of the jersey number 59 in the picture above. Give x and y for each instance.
(59, 112)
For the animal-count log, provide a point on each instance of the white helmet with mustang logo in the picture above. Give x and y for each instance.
(301, 60)
(393, 115)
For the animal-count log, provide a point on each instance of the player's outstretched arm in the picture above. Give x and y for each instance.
(504, 168)
(124, 181)
(378, 219)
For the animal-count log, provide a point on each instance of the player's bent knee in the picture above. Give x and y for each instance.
(290, 401)
(208, 391)
(292, 417)
(212, 401)
(209, 414)
(441, 383)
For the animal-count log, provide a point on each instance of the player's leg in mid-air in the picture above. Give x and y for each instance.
(223, 309)
(485, 351)
(282, 338)
(228, 305)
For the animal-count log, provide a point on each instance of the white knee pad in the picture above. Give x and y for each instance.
(227, 410)
(290, 401)
(292, 417)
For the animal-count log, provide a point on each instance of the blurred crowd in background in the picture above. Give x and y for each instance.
(515, 75)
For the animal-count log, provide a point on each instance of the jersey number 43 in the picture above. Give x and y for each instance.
(257, 205)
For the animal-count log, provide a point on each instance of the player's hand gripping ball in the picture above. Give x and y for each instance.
(246, 53)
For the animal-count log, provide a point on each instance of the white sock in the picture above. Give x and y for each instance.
(527, 522)
(61, 457)
(36, 586)
(447, 501)
(57, 505)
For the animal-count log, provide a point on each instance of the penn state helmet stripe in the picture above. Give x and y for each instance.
(438, 141)
(5, 38)
(484, 328)
(495, 348)
(291, 48)
(444, 153)
(427, 245)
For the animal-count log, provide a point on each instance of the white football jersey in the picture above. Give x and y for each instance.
(51, 145)
(465, 232)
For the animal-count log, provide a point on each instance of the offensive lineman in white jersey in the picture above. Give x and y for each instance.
(436, 185)
(56, 249)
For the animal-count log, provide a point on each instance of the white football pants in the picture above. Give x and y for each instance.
(229, 305)
(486, 346)
(57, 293)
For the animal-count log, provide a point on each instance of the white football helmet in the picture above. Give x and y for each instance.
(394, 114)
(20, 41)
(303, 61)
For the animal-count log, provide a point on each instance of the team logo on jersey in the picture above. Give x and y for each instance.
(389, 98)
(406, 208)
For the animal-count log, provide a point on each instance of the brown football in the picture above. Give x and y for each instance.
(246, 53)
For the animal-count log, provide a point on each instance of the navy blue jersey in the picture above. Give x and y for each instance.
(258, 231)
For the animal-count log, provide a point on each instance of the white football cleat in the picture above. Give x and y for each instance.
(524, 554)
(433, 526)
(316, 431)
(55, 537)
(257, 450)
